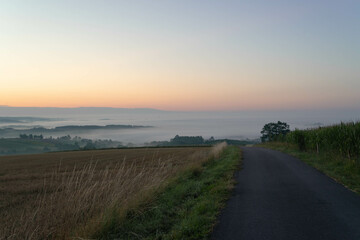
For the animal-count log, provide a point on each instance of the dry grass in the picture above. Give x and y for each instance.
(66, 195)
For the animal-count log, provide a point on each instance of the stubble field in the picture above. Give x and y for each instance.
(71, 194)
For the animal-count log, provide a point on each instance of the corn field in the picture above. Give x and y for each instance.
(342, 138)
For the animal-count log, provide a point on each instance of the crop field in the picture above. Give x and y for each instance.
(343, 138)
(69, 194)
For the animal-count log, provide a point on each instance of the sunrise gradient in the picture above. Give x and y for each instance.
(180, 55)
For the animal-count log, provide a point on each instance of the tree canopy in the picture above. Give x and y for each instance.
(272, 131)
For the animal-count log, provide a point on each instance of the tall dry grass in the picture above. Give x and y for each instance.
(73, 204)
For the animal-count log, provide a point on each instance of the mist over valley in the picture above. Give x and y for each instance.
(139, 126)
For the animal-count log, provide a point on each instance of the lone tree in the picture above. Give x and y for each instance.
(272, 131)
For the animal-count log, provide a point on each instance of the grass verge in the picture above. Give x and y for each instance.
(341, 169)
(185, 209)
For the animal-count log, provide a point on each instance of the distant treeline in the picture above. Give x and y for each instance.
(33, 143)
(29, 143)
(70, 128)
(198, 140)
(30, 136)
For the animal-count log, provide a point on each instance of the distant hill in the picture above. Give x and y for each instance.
(24, 119)
(48, 111)
(12, 132)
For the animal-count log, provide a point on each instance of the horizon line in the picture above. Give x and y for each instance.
(184, 110)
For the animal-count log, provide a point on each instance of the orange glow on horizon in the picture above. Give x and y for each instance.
(176, 102)
(215, 57)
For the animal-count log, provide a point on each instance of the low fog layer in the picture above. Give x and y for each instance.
(166, 124)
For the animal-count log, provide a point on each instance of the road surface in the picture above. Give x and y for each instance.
(279, 197)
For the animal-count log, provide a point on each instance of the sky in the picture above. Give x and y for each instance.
(180, 55)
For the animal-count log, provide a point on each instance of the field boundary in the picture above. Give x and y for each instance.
(186, 208)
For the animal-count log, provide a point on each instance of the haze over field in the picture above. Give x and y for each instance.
(164, 124)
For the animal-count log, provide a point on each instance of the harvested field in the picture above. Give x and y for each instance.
(66, 194)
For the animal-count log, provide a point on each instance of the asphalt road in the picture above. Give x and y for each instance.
(279, 197)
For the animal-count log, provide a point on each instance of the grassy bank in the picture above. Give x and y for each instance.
(333, 163)
(185, 209)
